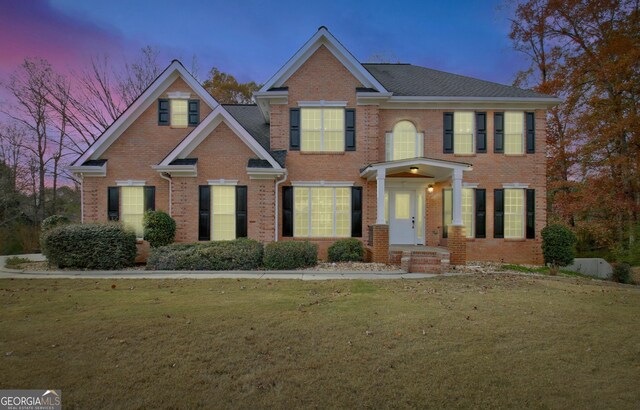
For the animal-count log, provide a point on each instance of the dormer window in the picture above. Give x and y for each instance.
(178, 110)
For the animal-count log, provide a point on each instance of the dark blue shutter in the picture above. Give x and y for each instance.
(294, 129)
(287, 211)
(481, 132)
(204, 213)
(241, 211)
(531, 132)
(481, 213)
(356, 212)
(194, 112)
(149, 198)
(448, 133)
(163, 111)
(113, 203)
(531, 213)
(350, 130)
(498, 213)
(498, 132)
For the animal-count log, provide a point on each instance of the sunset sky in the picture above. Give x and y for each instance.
(252, 39)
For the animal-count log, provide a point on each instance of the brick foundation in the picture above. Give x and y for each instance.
(457, 244)
(380, 247)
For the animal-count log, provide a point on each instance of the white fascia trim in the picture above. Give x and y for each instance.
(549, 100)
(89, 171)
(323, 37)
(473, 185)
(179, 95)
(497, 103)
(322, 103)
(322, 183)
(177, 170)
(515, 186)
(168, 76)
(131, 182)
(222, 182)
(265, 173)
(206, 127)
(416, 161)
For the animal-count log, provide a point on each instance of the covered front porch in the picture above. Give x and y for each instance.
(402, 205)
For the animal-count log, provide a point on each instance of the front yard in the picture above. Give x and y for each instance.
(473, 341)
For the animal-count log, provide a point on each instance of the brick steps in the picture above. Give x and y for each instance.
(420, 261)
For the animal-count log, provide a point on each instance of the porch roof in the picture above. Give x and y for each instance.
(438, 169)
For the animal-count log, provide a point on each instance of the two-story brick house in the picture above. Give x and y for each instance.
(389, 153)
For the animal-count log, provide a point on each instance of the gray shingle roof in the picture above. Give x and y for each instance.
(94, 163)
(184, 161)
(250, 117)
(258, 163)
(411, 80)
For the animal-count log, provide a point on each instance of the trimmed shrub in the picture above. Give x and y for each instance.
(159, 228)
(346, 250)
(90, 246)
(15, 261)
(622, 273)
(290, 255)
(239, 254)
(558, 246)
(54, 221)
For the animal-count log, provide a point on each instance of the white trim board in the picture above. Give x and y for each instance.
(174, 71)
(322, 183)
(205, 127)
(222, 181)
(131, 182)
(323, 37)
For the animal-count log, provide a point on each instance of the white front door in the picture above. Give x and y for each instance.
(402, 217)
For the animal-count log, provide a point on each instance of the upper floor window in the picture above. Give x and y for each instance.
(178, 111)
(463, 132)
(404, 142)
(322, 129)
(514, 133)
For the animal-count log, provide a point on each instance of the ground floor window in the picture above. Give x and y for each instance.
(133, 208)
(514, 213)
(223, 210)
(321, 212)
(468, 212)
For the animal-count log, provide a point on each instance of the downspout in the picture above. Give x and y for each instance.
(81, 198)
(167, 176)
(277, 213)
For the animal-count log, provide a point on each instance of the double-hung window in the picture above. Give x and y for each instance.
(514, 133)
(322, 129)
(463, 132)
(322, 212)
(404, 142)
(514, 213)
(179, 113)
(128, 202)
(468, 210)
(223, 212)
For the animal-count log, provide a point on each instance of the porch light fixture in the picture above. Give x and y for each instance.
(430, 188)
(414, 170)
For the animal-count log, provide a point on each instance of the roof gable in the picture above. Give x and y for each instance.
(174, 71)
(323, 38)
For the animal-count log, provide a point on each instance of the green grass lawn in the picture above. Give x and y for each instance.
(474, 341)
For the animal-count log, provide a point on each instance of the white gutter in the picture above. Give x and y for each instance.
(163, 175)
(277, 185)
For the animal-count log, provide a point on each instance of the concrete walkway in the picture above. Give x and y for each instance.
(140, 274)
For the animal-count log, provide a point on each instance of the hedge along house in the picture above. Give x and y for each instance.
(421, 165)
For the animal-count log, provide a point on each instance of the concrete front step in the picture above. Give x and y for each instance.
(420, 260)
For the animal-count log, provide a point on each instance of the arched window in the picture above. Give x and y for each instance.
(404, 142)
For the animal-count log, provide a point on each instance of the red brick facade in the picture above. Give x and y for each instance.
(223, 155)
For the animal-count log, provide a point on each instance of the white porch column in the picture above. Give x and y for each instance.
(457, 197)
(380, 176)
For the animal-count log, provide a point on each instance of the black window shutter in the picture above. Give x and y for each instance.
(481, 213)
(356, 212)
(350, 129)
(163, 111)
(481, 132)
(531, 132)
(531, 213)
(149, 198)
(294, 129)
(448, 133)
(498, 213)
(204, 213)
(241, 211)
(113, 203)
(194, 112)
(287, 211)
(498, 132)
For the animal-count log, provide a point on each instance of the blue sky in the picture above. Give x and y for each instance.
(252, 39)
